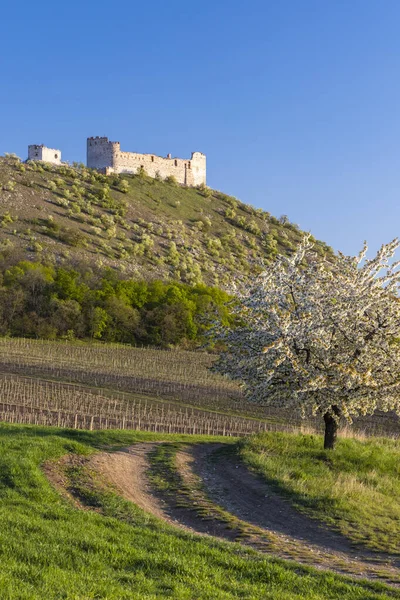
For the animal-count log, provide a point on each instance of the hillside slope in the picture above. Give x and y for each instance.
(141, 226)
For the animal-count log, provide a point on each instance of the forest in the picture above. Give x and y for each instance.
(55, 302)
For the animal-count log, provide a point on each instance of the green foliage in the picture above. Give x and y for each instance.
(9, 186)
(71, 237)
(98, 322)
(199, 225)
(57, 300)
(36, 247)
(123, 186)
(271, 245)
(171, 180)
(6, 218)
(205, 190)
(141, 173)
(12, 156)
(230, 213)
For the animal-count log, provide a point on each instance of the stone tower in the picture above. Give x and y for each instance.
(44, 154)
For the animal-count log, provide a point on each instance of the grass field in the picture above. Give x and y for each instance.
(49, 549)
(355, 488)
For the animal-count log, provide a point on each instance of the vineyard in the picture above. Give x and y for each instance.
(94, 386)
(97, 386)
(26, 400)
(175, 375)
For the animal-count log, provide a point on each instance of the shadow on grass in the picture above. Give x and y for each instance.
(110, 439)
(95, 439)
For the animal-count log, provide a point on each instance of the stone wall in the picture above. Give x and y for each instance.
(42, 153)
(107, 156)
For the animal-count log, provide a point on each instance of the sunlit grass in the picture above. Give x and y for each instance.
(51, 550)
(355, 488)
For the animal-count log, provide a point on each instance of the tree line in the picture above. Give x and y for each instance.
(51, 302)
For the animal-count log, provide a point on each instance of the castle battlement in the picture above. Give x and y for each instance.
(107, 157)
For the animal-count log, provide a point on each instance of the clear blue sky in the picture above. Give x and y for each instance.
(295, 102)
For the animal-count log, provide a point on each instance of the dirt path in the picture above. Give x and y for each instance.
(126, 471)
(257, 515)
(231, 485)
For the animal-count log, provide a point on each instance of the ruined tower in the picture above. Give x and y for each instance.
(44, 154)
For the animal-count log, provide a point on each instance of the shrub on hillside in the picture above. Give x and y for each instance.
(171, 180)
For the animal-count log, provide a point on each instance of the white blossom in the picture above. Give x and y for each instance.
(320, 336)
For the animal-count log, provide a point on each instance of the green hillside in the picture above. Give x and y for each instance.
(143, 227)
(102, 546)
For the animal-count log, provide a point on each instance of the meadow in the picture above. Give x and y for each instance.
(115, 551)
(355, 489)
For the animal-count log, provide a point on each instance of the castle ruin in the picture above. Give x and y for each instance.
(44, 154)
(107, 157)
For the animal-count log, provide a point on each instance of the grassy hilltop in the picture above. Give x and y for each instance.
(144, 227)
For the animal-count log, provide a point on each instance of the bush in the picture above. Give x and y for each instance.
(141, 173)
(12, 156)
(64, 202)
(123, 186)
(171, 180)
(9, 186)
(36, 247)
(205, 190)
(199, 225)
(69, 236)
(6, 218)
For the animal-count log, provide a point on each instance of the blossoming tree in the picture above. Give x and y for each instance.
(320, 337)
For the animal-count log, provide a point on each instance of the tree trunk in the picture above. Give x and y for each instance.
(331, 419)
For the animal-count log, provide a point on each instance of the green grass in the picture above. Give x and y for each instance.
(48, 549)
(355, 488)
